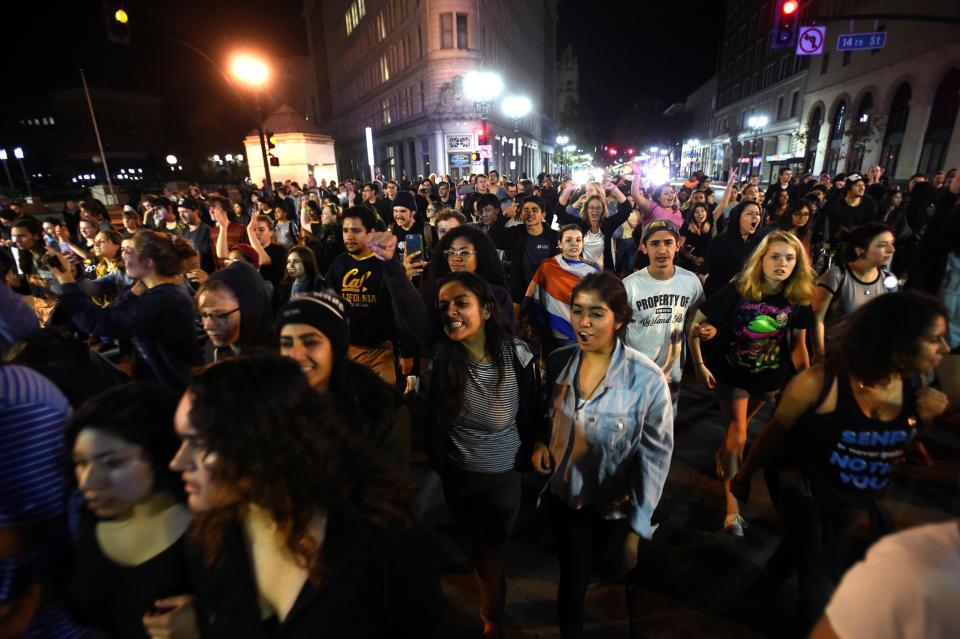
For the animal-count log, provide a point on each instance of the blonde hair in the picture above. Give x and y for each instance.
(603, 204)
(799, 287)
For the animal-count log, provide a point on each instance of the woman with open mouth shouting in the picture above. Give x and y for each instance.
(609, 446)
(484, 390)
(759, 322)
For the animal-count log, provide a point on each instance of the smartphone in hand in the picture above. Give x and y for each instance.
(413, 243)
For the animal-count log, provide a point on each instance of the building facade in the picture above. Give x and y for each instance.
(756, 83)
(896, 106)
(397, 66)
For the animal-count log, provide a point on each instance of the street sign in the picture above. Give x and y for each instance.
(486, 151)
(858, 41)
(810, 41)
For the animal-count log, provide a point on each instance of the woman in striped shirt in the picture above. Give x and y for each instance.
(484, 390)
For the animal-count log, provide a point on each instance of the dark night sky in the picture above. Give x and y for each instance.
(628, 50)
(636, 50)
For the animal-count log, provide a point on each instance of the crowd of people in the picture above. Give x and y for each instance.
(210, 402)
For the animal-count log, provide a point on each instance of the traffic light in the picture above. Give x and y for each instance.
(274, 160)
(786, 20)
(474, 157)
(118, 22)
(612, 151)
(483, 136)
(271, 143)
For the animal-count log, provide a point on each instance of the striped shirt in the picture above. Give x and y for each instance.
(33, 488)
(484, 437)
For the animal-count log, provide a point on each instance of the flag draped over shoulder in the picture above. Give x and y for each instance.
(548, 296)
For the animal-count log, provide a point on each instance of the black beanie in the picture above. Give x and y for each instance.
(405, 199)
(325, 311)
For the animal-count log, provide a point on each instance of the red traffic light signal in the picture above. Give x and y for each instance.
(612, 151)
(786, 21)
(483, 136)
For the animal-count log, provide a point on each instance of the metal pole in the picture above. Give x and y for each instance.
(6, 167)
(26, 180)
(483, 126)
(263, 145)
(96, 131)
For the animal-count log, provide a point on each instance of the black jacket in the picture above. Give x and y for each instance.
(160, 322)
(375, 411)
(414, 318)
(512, 241)
(728, 252)
(256, 316)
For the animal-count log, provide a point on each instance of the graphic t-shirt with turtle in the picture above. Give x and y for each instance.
(752, 346)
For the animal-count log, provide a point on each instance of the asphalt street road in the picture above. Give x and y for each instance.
(694, 580)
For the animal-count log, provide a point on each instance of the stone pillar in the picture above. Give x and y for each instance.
(920, 106)
(440, 152)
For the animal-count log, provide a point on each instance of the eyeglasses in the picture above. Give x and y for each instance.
(216, 318)
(462, 254)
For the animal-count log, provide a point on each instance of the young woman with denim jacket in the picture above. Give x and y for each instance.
(609, 446)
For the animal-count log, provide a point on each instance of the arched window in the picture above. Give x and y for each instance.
(813, 139)
(835, 138)
(896, 125)
(940, 128)
(863, 137)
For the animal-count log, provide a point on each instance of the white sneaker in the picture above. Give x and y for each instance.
(733, 525)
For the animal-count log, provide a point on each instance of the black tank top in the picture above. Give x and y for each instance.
(855, 454)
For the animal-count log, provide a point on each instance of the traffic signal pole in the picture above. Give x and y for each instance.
(263, 144)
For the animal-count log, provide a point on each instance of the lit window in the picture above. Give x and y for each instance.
(354, 14)
(387, 119)
(381, 27)
(384, 68)
(446, 30)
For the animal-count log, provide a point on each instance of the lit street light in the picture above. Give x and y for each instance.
(172, 161)
(483, 87)
(516, 107)
(562, 140)
(756, 123)
(254, 73)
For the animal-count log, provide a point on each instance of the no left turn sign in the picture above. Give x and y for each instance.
(810, 40)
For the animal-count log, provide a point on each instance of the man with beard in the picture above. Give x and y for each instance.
(357, 277)
(853, 209)
(404, 208)
(197, 232)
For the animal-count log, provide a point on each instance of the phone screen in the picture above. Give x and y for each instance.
(414, 243)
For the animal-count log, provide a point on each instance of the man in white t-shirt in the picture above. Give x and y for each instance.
(661, 296)
(907, 586)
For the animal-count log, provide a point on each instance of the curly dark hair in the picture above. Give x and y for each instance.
(289, 453)
(489, 266)
(882, 337)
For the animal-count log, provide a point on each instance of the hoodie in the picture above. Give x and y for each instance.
(256, 329)
(728, 252)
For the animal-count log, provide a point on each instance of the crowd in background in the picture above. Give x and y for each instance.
(240, 380)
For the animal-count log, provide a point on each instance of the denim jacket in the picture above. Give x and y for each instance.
(620, 461)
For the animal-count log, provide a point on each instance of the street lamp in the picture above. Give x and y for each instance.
(516, 107)
(483, 87)
(6, 167)
(172, 161)
(756, 124)
(254, 73)
(18, 153)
